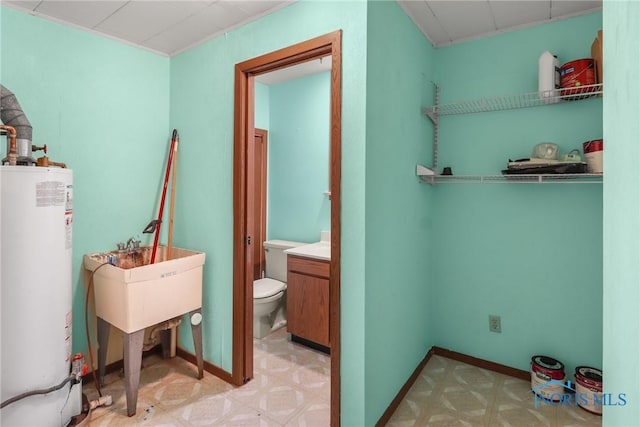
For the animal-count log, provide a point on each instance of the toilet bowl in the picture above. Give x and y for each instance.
(268, 303)
(269, 293)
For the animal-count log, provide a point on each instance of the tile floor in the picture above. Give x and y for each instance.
(291, 387)
(451, 393)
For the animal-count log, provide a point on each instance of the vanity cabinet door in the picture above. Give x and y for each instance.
(308, 300)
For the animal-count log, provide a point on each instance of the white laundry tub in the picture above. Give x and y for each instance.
(135, 298)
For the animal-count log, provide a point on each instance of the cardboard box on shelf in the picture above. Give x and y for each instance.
(596, 54)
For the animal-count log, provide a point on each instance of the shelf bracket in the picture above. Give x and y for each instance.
(433, 114)
(436, 130)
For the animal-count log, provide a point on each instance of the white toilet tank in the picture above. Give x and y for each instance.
(276, 259)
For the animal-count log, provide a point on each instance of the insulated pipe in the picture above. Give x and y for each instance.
(12, 155)
(12, 115)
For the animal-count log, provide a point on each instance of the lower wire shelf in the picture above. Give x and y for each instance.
(426, 176)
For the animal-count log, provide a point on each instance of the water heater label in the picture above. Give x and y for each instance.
(50, 193)
(68, 200)
(68, 230)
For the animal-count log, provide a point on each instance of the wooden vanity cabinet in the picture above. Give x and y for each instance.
(308, 299)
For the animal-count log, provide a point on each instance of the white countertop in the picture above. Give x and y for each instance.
(320, 250)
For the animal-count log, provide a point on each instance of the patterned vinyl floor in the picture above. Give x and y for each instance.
(291, 387)
(451, 393)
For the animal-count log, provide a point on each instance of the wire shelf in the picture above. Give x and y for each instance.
(577, 178)
(512, 102)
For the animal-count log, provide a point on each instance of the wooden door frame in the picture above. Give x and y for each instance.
(264, 134)
(242, 358)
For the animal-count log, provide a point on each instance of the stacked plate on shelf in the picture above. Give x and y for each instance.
(545, 160)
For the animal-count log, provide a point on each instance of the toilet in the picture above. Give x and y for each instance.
(269, 293)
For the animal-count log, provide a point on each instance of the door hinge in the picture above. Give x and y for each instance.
(248, 240)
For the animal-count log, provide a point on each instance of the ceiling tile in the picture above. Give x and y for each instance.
(174, 40)
(423, 17)
(189, 32)
(217, 18)
(225, 14)
(84, 13)
(511, 13)
(188, 7)
(256, 7)
(463, 19)
(572, 7)
(22, 4)
(140, 20)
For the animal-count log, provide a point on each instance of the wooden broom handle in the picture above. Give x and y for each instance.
(173, 195)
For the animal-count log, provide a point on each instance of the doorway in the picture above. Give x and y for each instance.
(260, 139)
(244, 233)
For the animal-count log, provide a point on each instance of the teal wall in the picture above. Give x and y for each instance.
(261, 110)
(400, 64)
(298, 165)
(531, 254)
(102, 108)
(202, 83)
(622, 211)
(436, 261)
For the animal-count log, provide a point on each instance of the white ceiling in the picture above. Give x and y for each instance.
(163, 26)
(450, 21)
(172, 26)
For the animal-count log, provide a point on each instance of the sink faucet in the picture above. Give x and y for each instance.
(132, 244)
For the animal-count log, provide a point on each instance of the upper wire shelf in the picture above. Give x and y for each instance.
(512, 102)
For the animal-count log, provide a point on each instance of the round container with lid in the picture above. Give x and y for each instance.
(576, 74)
(547, 377)
(593, 155)
(589, 389)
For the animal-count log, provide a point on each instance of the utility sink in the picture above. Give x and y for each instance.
(132, 294)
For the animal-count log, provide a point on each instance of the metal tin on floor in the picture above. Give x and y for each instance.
(589, 387)
(547, 377)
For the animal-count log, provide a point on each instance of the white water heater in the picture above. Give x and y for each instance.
(36, 216)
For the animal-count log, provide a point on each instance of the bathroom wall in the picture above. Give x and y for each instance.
(202, 83)
(261, 99)
(398, 333)
(298, 169)
(531, 254)
(102, 107)
(621, 212)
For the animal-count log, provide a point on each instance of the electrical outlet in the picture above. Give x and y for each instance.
(494, 323)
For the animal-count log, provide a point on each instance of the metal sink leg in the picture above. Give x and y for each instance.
(103, 343)
(132, 363)
(195, 318)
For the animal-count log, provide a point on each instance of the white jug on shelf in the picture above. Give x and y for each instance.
(548, 77)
